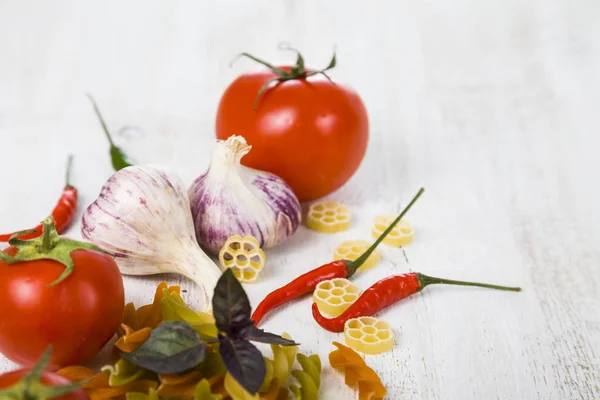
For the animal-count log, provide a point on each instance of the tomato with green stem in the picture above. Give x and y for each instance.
(59, 292)
(36, 383)
(302, 126)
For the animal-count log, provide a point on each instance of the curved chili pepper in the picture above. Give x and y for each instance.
(63, 212)
(306, 283)
(386, 292)
(117, 156)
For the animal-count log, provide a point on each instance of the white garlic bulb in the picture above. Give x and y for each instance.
(143, 218)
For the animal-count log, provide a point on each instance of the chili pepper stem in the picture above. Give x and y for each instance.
(118, 158)
(425, 280)
(101, 119)
(354, 265)
(68, 174)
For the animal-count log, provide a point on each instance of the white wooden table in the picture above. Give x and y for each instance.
(491, 106)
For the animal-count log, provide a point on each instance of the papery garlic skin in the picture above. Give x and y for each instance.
(231, 199)
(143, 218)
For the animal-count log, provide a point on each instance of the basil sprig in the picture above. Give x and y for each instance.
(242, 359)
(175, 347)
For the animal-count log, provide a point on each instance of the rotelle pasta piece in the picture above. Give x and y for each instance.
(368, 335)
(401, 235)
(357, 373)
(244, 256)
(352, 249)
(334, 296)
(328, 217)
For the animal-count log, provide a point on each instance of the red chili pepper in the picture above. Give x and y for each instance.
(386, 292)
(306, 283)
(63, 212)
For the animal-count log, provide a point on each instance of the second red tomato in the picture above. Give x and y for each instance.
(76, 316)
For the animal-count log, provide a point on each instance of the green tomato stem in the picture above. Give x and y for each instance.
(49, 246)
(296, 72)
(30, 387)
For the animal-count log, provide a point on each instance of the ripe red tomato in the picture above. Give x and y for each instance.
(76, 316)
(309, 131)
(48, 378)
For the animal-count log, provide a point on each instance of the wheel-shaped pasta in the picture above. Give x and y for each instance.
(244, 256)
(334, 296)
(401, 235)
(328, 217)
(352, 249)
(368, 335)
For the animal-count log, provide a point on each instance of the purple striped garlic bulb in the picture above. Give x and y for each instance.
(231, 199)
(143, 218)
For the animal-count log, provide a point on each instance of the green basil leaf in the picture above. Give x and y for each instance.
(231, 307)
(244, 362)
(258, 335)
(173, 347)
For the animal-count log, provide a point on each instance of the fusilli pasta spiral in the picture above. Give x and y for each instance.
(356, 372)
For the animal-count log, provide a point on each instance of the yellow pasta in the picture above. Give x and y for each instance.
(202, 390)
(150, 315)
(97, 385)
(352, 249)
(172, 308)
(328, 217)
(368, 335)
(207, 381)
(401, 235)
(309, 378)
(122, 373)
(244, 256)
(236, 391)
(334, 296)
(279, 367)
(205, 392)
(182, 385)
(130, 339)
(357, 373)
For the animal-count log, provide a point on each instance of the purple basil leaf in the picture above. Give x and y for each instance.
(239, 330)
(231, 307)
(258, 335)
(173, 347)
(244, 362)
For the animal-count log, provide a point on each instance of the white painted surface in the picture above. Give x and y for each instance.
(491, 106)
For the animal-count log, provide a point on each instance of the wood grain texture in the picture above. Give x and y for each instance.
(491, 106)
